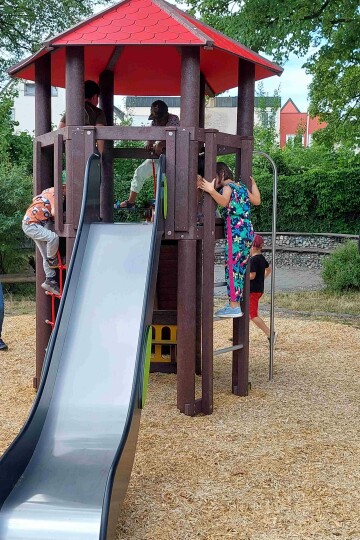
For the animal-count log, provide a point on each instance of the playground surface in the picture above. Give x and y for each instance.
(281, 464)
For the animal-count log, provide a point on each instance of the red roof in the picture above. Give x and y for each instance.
(149, 63)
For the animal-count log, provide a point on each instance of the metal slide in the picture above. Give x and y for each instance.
(65, 475)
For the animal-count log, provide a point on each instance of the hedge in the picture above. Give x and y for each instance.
(321, 201)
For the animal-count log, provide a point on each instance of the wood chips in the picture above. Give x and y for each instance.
(281, 464)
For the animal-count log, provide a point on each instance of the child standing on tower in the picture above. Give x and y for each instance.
(235, 199)
(259, 271)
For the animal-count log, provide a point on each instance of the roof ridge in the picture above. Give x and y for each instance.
(221, 34)
(178, 15)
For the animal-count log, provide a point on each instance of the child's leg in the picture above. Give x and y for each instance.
(42, 237)
(261, 324)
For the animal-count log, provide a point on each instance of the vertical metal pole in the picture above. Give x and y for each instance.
(107, 181)
(43, 173)
(273, 253)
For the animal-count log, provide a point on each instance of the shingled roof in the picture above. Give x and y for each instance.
(140, 40)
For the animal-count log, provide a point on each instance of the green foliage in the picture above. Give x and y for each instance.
(15, 189)
(332, 28)
(341, 271)
(123, 173)
(24, 25)
(265, 135)
(314, 201)
(15, 194)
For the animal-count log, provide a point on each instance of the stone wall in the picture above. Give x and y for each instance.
(300, 250)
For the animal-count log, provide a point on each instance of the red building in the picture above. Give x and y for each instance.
(293, 122)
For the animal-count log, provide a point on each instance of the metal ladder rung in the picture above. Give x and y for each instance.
(228, 349)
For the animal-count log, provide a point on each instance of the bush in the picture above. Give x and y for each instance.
(341, 270)
(15, 196)
(316, 201)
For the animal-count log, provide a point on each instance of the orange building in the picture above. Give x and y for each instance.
(292, 121)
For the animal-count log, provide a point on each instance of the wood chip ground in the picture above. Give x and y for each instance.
(281, 464)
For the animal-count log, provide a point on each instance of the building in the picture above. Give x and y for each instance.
(219, 111)
(293, 122)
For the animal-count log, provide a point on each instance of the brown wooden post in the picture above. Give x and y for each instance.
(75, 116)
(107, 180)
(208, 279)
(245, 128)
(42, 180)
(186, 347)
(199, 248)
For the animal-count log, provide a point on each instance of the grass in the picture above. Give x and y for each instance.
(317, 301)
(312, 302)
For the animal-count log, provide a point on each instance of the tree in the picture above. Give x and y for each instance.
(25, 25)
(332, 27)
(15, 188)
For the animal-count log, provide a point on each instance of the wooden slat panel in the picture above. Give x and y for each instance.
(182, 181)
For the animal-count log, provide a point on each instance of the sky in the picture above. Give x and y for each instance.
(293, 83)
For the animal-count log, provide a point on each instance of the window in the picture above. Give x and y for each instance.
(291, 138)
(29, 90)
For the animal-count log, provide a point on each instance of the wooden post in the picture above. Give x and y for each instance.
(186, 334)
(43, 167)
(186, 349)
(208, 278)
(75, 116)
(107, 181)
(245, 128)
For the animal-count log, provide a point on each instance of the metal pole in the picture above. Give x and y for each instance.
(273, 250)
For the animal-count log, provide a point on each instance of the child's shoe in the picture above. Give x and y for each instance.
(3, 346)
(51, 285)
(125, 205)
(229, 312)
(53, 262)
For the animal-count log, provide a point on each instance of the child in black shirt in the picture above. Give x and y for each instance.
(259, 270)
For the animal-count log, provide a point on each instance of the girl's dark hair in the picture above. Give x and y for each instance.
(222, 168)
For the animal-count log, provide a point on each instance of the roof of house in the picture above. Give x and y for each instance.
(140, 40)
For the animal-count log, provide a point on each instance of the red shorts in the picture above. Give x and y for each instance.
(254, 304)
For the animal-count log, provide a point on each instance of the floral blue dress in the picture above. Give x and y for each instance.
(239, 235)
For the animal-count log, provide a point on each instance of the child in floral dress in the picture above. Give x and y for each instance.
(235, 201)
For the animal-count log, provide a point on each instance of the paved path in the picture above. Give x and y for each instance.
(286, 279)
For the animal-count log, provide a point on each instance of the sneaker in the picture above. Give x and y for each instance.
(51, 285)
(53, 262)
(229, 312)
(274, 339)
(3, 346)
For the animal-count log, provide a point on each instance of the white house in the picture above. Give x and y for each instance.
(220, 112)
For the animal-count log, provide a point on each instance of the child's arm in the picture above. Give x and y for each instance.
(252, 275)
(221, 199)
(254, 194)
(267, 271)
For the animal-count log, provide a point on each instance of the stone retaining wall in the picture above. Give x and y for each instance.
(300, 250)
